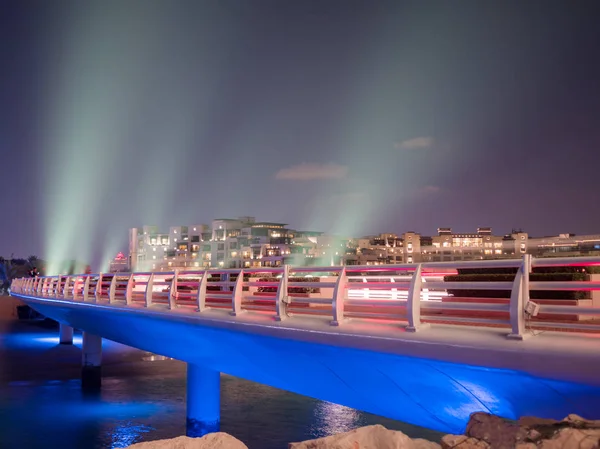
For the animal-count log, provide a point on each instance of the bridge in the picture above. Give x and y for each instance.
(395, 340)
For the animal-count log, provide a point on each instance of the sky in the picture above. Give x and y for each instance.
(343, 116)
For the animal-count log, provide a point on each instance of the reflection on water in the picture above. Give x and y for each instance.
(128, 433)
(143, 399)
(333, 418)
(155, 358)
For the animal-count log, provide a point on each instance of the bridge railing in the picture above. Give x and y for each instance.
(413, 294)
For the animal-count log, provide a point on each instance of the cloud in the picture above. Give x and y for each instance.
(309, 172)
(416, 143)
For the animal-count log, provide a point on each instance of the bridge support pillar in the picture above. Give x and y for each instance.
(91, 369)
(65, 334)
(203, 400)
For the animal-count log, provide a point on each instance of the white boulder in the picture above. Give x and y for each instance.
(217, 440)
(369, 437)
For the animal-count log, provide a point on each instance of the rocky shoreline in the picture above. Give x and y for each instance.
(484, 431)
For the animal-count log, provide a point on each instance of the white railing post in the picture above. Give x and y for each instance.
(86, 287)
(149, 287)
(282, 298)
(413, 302)
(519, 296)
(40, 286)
(112, 289)
(129, 289)
(173, 291)
(339, 296)
(56, 288)
(65, 290)
(236, 301)
(44, 287)
(201, 297)
(75, 288)
(98, 290)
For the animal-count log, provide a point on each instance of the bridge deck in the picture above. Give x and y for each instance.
(555, 355)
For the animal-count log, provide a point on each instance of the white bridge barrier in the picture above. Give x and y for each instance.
(414, 294)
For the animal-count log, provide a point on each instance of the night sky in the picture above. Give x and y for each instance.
(354, 117)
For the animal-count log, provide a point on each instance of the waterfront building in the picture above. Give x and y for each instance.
(447, 246)
(244, 242)
(227, 243)
(119, 264)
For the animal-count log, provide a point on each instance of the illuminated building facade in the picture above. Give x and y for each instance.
(119, 264)
(227, 243)
(243, 243)
(447, 246)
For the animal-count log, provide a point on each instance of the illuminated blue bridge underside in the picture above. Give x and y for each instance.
(424, 391)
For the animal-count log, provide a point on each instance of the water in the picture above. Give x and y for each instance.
(142, 399)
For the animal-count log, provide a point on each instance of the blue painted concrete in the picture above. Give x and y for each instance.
(430, 393)
(203, 400)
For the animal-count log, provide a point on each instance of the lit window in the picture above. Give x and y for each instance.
(194, 230)
(154, 257)
(153, 249)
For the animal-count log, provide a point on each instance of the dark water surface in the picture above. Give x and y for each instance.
(142, 399)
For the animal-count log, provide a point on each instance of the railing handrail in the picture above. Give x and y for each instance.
(330, 290)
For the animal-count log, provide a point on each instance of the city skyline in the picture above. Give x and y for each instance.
(342, 116)
(245, 242)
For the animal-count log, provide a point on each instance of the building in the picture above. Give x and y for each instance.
(120, 264)
(227, 243)
(447, 246)
(244, 242)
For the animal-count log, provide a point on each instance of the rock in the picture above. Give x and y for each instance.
(462, 442)
(217, 440)
(569, 438)
(498, 432)
(579, 421)
(369, 437)
(573, 432)
(532, 421)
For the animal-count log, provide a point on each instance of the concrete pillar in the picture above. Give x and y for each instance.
(65, 334)
(203, 400)
(91, 368)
